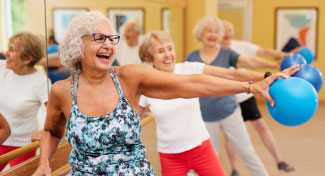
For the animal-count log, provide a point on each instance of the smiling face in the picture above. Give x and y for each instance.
(163, 56)
(210, 35)
(98, 55)
(13, 57)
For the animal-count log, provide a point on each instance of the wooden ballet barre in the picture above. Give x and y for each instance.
(19, 152)
(59, 161)
(146, 120)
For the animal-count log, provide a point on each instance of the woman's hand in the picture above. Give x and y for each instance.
(43, 170)
(261, 88)
(291, 70)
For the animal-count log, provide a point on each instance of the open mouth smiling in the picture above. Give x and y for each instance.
(103, 56)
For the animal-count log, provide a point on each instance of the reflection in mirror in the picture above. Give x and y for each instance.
(24, 87)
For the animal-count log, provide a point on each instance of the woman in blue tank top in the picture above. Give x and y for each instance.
(97, 104)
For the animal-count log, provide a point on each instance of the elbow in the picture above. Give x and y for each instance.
(55, 132)
(7, 130)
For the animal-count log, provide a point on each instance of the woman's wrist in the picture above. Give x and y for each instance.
(44, 162)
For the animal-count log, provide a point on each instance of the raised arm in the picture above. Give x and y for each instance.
(53, 130)
(162, 85)
(255, 63)
(268, 52)
(242, 75)
(232, 74)
(4, 129)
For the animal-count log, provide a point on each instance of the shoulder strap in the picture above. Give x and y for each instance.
(116, 82)
(74, 91)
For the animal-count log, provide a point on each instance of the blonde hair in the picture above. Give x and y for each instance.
(30, 44)
(145, 46)
(203, 23)
(71, 47)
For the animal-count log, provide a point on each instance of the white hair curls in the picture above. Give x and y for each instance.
(203, 23)
(71, 47)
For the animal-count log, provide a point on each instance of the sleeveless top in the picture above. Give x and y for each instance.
(106, 145)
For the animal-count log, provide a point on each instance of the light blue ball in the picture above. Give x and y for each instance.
(290, 60)
(307, 53)
(296, 101)
(311, 74)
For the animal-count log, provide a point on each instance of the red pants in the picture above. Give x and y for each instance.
(202, 159)
(5, 149)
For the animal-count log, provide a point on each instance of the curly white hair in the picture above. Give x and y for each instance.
(203, 23)
(71, 47)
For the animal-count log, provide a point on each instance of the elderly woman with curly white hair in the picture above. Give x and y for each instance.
(97, 104)
(224, 112)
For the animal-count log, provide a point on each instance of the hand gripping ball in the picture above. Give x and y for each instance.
(311, 74)
(307, 53)
(290, 60)
(296, 101)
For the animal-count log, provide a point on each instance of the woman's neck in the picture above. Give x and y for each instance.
(94, 77)
(210, 49)
(26, 70)
(209, 54)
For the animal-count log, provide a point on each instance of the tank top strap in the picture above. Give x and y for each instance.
(116, 82)
(74, 91)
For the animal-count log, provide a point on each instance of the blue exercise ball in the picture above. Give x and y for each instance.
(296, 101)
(311, 74)
(307, 53)
(290, 60)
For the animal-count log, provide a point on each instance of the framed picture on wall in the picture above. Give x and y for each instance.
(165, 20)
(61, 19)
(296, 25)
(121, 17)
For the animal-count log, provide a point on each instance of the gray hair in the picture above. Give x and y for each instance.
(203, 23)
(71, 47)
(136, 27)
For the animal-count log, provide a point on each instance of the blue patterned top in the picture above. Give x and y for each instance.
(107, 145)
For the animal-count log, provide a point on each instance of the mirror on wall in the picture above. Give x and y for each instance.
(24, 85)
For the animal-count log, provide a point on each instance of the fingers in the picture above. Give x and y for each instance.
(269, 99)
(276, 76)
(291, 70)
(278, 65)
(294, 51)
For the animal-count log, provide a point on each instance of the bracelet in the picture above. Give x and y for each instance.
(249, 87)
(267, 74)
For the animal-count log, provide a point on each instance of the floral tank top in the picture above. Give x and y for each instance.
(107, 145)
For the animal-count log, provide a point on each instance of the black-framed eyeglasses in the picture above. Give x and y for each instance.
(101, 38)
